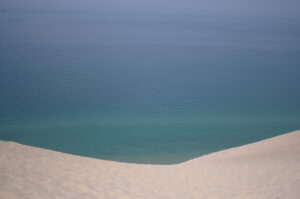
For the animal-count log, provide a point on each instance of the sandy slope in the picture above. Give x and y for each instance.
(269, 169)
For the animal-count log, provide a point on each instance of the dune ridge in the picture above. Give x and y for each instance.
(268, 169)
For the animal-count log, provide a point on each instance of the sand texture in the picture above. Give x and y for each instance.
(269, 169)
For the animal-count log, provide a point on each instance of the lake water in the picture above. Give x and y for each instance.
(159, 104)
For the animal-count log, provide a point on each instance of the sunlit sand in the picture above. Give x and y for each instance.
(269, 169)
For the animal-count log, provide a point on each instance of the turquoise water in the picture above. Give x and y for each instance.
(157, 104)
(156, 134)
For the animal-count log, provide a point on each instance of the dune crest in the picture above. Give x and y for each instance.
(269, 169)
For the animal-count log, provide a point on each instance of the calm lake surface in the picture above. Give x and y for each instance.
(147, 91)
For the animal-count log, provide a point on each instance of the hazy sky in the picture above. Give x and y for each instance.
(220, 7)
(103, 46)
(263, 24)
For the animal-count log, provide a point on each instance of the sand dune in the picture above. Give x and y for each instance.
(269, 169)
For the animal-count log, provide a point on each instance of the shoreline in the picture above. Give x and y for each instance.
(265, 169)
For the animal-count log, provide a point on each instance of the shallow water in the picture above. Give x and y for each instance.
(140, 134)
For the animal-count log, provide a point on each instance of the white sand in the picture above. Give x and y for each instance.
(269, 169)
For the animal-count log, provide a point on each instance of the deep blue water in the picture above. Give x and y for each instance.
(146, 104)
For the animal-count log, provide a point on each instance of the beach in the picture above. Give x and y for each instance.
(268, 169)
(144, 99)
